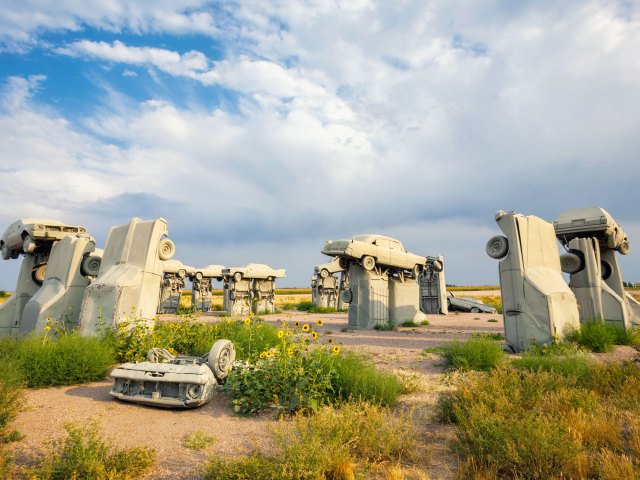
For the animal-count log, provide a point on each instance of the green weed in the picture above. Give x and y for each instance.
(84, 454)
(409, 323)
(385, 327)
(596, 336)
(198, 440)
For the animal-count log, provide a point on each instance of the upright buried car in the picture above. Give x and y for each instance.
(371, 250)
(591, 222)
(177, 382)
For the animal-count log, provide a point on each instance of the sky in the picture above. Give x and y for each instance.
(260, 130)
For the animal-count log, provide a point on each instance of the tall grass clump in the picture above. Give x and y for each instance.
(495, 302)
(357, 378)
(530, 423)
(132, 339)
(85, 454)
(334, 443)
(308, 306)
(64, 360)
(477, 353)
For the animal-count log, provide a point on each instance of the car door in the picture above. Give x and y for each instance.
(383, 251)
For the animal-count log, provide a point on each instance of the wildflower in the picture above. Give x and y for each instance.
(319, 322)
(297, 323)
(247, 321)
(301, 370)
(280, 333)
(314, 335)
(330, 340)
(290, 352)
(305, 328)
(47, 328)
(288, 333)
(336, 349)
(263, 354)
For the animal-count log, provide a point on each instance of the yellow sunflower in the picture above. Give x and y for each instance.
(314, 335)
(336, 349)
(319, 322)
(305, 328)
(247, 321)
(280, 333)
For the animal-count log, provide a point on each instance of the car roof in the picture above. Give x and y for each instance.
(371, 237)
(586, 213)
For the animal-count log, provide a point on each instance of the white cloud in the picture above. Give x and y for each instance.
(415, 119)
(23, 20)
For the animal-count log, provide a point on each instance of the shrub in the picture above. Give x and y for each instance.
(85, 454)
(133, 339)
(477, 353)
(290, 376)
(409, 323)
(596, 336)
(66, 360)
(513, 423)
(385, 327)
(331, 444)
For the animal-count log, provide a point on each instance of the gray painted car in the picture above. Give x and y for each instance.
(20, 236)
(593, 221)
(372, 249)
(177, 382)
(468, 304)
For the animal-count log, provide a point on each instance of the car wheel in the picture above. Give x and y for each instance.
(237, 276)
(90, 266)
(475, 310)
(39, 273)
(368, 262)
(324, 273)
(571, 263)
(198, 276)
(606, 269)
(232, 295)
(497, 247)
(221, 358)
(6, 252)
(347, 296)
(28, 245)
(182, 273)
(437, 266)
(624, 248)
(166, 249)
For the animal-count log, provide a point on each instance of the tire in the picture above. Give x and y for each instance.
(28, 245)
(166, 249)
(198, 276)
(90, 266)
(182, 273)
(232, 295)
(237, 276)
(6, 252)
(324, 273)
(571, 263)
(623, 249)
(39, 273)
(368, 262)
(221, 358)
(475, 310)
(347, 296)
(497, 247)
(605, 269)
(437, 266)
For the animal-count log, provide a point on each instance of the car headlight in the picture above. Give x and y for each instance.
(194, 391)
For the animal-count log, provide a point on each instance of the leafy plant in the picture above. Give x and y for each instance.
(409, 323)
(596, 336)
(385, 327)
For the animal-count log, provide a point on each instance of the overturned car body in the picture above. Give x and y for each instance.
(177, 382)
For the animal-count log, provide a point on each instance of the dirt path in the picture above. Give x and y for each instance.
(47, 410)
